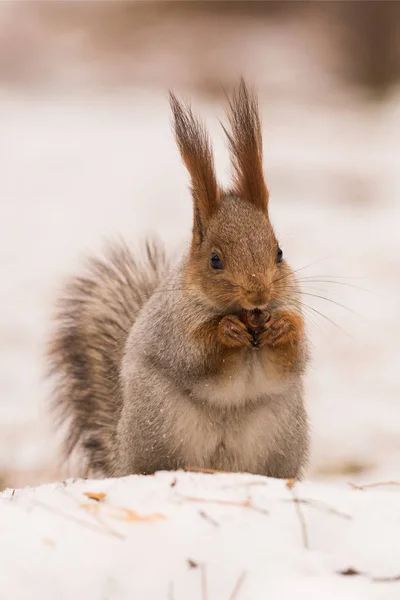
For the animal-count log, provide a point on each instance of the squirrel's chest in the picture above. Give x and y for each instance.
(220, 427)
(243, 379)
(225, 432)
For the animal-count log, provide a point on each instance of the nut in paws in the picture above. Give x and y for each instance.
(282, 328)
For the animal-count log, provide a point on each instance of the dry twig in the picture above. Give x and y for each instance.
(60, 513)
(231, 486)
(372, 485)
(121, 513)
(246, 504)
(95, 516)
(205, 470)
(204, 593)
(238, 586)
(290, 486)
(319, 505)
(390, 579)
(207, 517)
(351, 572)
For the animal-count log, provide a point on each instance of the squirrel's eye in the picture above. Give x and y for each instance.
(215, 261)
(279, 255)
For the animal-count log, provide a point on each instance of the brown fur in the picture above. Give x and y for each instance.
(245, 141)
(195, 149)
(160, 366)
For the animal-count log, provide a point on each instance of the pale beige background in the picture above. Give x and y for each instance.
(86, 153)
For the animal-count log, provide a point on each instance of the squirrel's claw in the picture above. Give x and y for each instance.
(233, 332)
(282, 328)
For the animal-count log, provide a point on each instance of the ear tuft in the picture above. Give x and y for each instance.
(245, 142)
(194, 146)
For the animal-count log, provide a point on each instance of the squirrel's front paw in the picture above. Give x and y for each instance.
(233, 333)
(282, 328)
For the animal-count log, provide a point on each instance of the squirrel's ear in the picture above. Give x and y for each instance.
(245, 141)
(195, 149)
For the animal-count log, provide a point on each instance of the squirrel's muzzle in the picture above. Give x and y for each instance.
(258, 299)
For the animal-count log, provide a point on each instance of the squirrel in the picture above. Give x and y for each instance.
(196, 364)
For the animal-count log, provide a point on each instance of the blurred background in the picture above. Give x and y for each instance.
(86, 154)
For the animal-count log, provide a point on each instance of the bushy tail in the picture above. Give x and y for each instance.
(93, 318)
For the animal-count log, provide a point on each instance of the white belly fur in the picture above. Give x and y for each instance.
(246, 438)
(249, 379)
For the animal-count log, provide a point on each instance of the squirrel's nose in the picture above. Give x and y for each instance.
(257, 299)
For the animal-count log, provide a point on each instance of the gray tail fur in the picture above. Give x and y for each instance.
(93, 318)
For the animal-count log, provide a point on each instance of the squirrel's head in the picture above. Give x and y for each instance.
(235, 257)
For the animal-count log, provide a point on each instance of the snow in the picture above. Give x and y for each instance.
(198, 536)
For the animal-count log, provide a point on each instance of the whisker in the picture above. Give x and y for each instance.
(302, 268)
(333, 302)
(297, 306)
(327, 319)
(339, 276)
(357, 287)
(314, 310)
(298, 288)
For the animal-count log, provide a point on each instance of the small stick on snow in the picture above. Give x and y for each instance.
(238, 586)
(207, 517)
(205, 470)
(372, 485)
(354, 572)
(393, 578)
(231, 486)
(246, 504)
(95, 516)
(290, 486)
(65, 515)
(320, 506)
(204, 594)
(389, 579)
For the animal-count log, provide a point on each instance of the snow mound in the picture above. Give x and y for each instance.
(196, 536)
